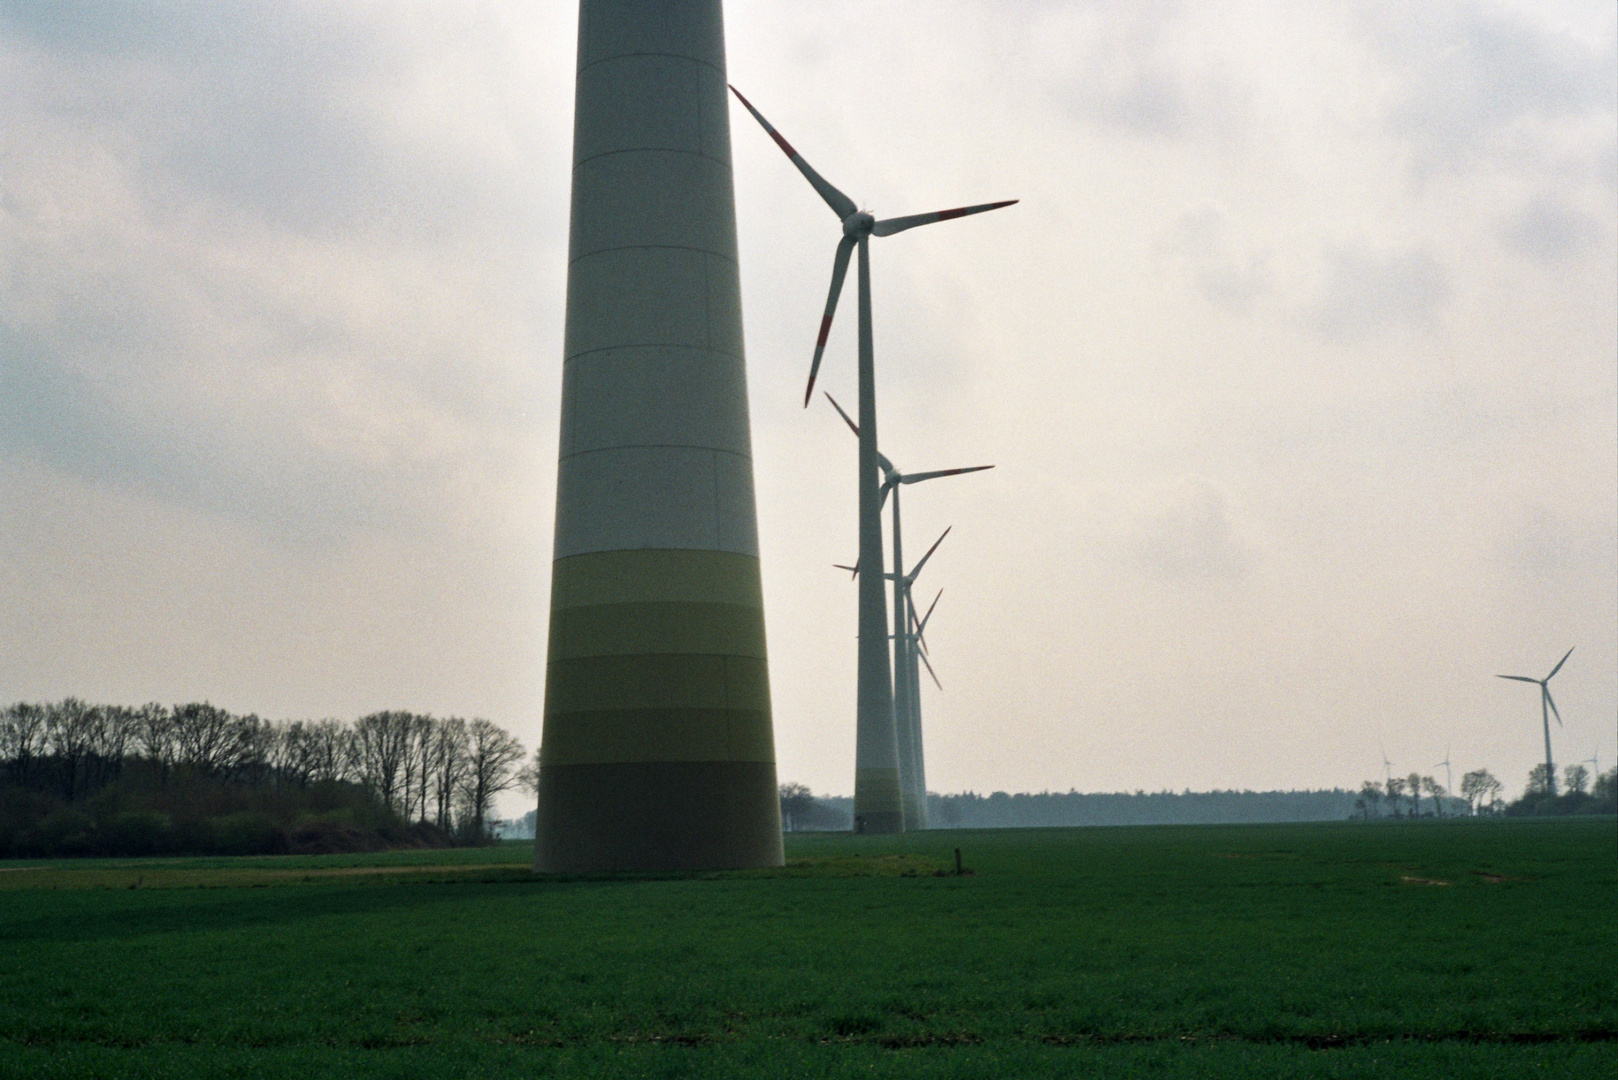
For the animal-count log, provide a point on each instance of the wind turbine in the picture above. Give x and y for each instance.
(1547, 705)
(878, 803)
(906, 690)
(1449, 779)
(906, 710)
(916, 649)
(907, 704)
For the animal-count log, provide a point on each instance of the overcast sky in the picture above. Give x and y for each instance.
(1297, 362)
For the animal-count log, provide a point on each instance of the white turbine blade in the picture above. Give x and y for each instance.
(1519, 678)
(1558, 666)
(881, 459)
(916, 478)
(852, 426)
(915, 571)
(929, 666)
(840, 204)
(900, 224)
(839, 270)
(887, 489)
(1552, 703)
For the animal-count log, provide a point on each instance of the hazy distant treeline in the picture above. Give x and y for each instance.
(77, 778)
(1047, 809)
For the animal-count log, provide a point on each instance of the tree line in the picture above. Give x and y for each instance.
(83, 778)
(803, 811)
(1401, 796)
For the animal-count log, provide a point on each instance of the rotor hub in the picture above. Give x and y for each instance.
(858, 224)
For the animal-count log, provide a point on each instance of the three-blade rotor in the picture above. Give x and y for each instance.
(890, 475)
(918, 630)
(1545, 686)
(857, 225)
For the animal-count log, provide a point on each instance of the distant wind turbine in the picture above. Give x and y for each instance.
(905, 711)
(1547, 706)
(1449, 779)
(917, 651)
(907, 704)
(877, 795)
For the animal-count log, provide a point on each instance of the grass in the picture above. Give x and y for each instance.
(1454, 949)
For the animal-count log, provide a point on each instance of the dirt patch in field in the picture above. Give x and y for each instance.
(1408, 879)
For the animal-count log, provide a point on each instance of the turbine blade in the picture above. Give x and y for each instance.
(915, 571)
(887, 489)
(840, 204)
(852, 426)
(1518, 678)
(839, 270)
(923, 624)
(853, 571)
(916, 478)
(928, 664)
(900, 224)
(1552, 703)
(1558, 666)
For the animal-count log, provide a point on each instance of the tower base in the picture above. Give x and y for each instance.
(668, 815)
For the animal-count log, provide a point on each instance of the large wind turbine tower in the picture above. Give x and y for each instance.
(657, 749)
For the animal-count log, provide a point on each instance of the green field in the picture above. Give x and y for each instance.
(1463, 949)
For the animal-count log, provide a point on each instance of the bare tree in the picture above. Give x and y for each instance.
(1396, 791)
(1475, 786)
(1413, 789)
(492, 759)
(381, 742)
(1436, 792)
(330, 751)
(293, 763)
(417, 766)
(1541, 780)
(111, 738)
(23, 739)
(1576, 778)
(154, 737)
(1370, 798)
(206, 739)
(796, 801)
(447, 759)
(528, 776)
(70, 728)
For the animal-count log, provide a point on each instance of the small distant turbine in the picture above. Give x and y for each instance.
(1449, 779)
(1547, 706)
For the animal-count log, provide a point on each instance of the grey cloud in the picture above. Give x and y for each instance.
(1548, 547)
(1365, 294)
(1132, 80)
(1185, 532)
(200, 292)
(1466, 75)
(1224, 278)
(280, 113)
(1549, 230)
(254, 469)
